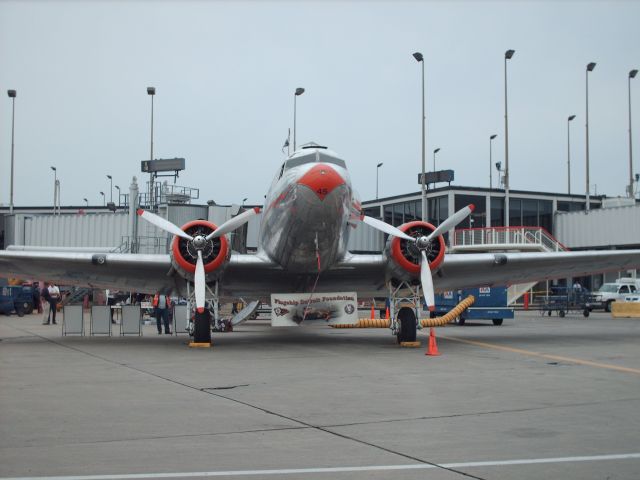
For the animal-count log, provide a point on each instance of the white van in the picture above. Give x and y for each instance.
(611, 292)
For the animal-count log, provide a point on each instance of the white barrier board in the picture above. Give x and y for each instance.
(290, 309)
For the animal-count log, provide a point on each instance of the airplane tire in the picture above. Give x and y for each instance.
(586, 312)
(407, 320)
(561, 313)
(498, 321)
(607, 307)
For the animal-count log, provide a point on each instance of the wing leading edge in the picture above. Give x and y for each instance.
(489, 269)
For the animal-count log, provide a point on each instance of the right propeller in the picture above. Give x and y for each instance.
(421, 243)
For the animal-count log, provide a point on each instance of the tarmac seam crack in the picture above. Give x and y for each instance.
(473, 414)
(161, 437)
(264, 410)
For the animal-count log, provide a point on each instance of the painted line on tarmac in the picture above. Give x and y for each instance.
(531, 353)
(372, 468)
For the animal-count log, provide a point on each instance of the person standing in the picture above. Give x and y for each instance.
(111, 301)
(54, 299)
(46, 304)
(162, 304)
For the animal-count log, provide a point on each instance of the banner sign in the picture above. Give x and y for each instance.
(291, 309)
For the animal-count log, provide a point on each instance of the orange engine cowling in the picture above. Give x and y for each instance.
(184, 255)
(406, 256)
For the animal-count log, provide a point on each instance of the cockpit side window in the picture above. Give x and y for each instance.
(281, 171)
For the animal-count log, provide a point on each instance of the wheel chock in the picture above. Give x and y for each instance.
(410, 344)
(199, 345)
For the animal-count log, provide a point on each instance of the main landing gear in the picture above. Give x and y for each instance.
(404, 325)
(200, 323)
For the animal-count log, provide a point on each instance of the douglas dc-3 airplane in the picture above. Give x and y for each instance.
(309, 212)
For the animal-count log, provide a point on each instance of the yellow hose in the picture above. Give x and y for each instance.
(449, 316)
(427, 322)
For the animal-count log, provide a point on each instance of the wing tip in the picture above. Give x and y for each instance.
(140, 211)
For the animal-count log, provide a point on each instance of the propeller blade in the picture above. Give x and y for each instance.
(233, 223)
(200, 283)
(165, 225)
(386, 228)
(452, 221)
(427, 282)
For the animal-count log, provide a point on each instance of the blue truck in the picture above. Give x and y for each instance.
(490, 304)
(20, 299)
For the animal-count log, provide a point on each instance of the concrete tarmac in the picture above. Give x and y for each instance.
(539, 397)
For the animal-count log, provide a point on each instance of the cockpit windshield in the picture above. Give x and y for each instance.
(314, 157)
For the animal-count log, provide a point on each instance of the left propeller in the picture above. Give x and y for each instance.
(199, 242)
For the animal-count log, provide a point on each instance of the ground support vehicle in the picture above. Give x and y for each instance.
(566, 300)
(611, 292)
(490, 304)
(17, 298)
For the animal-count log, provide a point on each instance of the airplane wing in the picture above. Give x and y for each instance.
(138, 273)
(489, 269)
(255, 276)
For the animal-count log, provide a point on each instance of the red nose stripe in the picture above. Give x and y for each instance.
(322, 179)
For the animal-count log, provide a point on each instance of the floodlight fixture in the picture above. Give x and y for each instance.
(571, 117)
(633, 73)
(151, 90)
(11, 93)
(493, 136)
(418, 56)
(591, 66)
(508, 54)
(299, 91)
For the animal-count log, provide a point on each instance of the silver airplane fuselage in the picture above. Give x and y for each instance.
(306, 218)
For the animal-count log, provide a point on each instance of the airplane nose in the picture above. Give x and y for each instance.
(322, 179)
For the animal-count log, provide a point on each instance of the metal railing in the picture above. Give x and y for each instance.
(144, 244)
(525, 237)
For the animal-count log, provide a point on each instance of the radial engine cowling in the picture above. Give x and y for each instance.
(405, 255)
(184, 252)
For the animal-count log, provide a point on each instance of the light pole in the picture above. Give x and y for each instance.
(590, 68)
(12, 96)
(377, 172)
(569, 118)
(507, 56)
(103, 198)
(151, 91)
(55, 188)
(118, 188)
(110, 188)
(86, 201)
(491, 138)
(632, 74)
(420, 59)
(434, 158)
(299, 91)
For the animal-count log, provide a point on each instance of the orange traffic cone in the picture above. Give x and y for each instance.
(373, 313)
(387, 315)
(433, 346)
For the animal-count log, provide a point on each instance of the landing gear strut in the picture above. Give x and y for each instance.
(405, 324)
(200, 327)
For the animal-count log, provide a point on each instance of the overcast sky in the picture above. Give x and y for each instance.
(225, 73)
